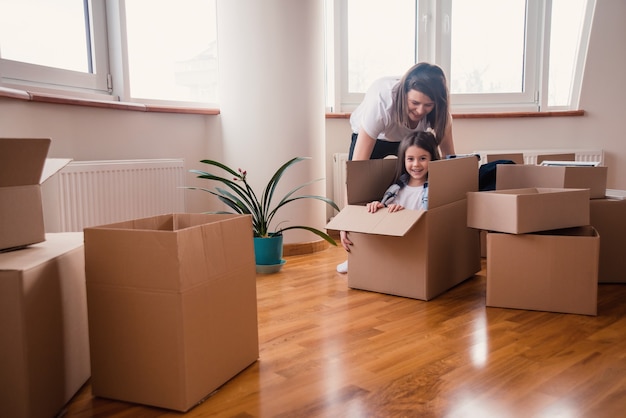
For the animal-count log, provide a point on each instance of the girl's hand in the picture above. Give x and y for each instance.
(395, 208)
(374, 206)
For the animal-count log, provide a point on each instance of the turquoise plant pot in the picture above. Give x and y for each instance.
(268, 251)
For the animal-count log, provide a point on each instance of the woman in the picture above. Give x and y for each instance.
(395, 108)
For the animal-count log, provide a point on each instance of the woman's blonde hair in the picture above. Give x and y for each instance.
(430, 80)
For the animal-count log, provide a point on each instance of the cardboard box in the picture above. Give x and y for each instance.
(172, 307)
(608, 216)
(416, 254)
(513, 176)
(44, 344)
(520, 211)
(21, 165)
(554, 271)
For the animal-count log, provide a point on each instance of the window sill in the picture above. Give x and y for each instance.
(558, 113)
(58, 99)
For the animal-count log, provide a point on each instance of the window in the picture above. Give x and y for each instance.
(60, 44)
(151, 49)
(172, 50)
(491, 51)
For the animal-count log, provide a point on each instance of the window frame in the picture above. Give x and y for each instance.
(16, 74)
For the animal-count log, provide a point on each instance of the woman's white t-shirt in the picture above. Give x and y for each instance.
(410, 197)
(375, 113)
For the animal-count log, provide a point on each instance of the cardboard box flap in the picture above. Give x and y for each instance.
(556, 157)
(367, 180)
(520, 176)
(448, 180)
(354, 218)
(516, 157)
(52, 166)
(170, 222)
(22, 160)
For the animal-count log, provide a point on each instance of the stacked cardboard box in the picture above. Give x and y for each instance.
(542, 253)
(44, 346)
(172, 307)
(608, 207)
(416, 254)
(44, 353)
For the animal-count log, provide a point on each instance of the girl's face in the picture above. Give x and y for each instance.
(416, 162)
(419, 105)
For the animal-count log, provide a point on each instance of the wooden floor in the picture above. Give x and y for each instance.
(330, 351)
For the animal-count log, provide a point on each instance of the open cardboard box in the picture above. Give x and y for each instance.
(44, 342)
(416, 254)
(515, 176)
(608, 216)
(554, 271)
(23, 168)
(519, 211)
(172, 307)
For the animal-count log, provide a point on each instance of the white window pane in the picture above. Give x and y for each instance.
(381, 40)
(43, 32)
(565, 33)
(172, 50)
(487, 46)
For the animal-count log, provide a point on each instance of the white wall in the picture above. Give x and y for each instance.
(85, 133)
(93, 133)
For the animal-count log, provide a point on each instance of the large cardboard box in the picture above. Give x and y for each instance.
(172, 307)
(44, 344)
(520, 211)
(416, 254)
(514, 176)
(554, 271)
(608, 216)
(21, 214)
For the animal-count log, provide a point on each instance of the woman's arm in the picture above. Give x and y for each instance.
(447, 143)
(364, 146)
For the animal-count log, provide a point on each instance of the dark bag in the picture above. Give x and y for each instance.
(487, 175)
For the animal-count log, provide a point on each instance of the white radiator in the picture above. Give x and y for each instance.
(530, 155)
(90, 193)
(339, 178)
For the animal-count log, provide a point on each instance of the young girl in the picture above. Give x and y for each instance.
(410, 187)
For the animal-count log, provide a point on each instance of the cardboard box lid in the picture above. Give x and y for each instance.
(448, 180)
(355, 218)
(22, 160)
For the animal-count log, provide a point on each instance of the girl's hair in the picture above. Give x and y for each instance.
(423, 140)
(430, 80)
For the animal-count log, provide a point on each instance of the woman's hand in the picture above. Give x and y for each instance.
(395, 208)
(345, 241)
(372, 207)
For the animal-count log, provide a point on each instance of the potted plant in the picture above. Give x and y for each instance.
(241, 198)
